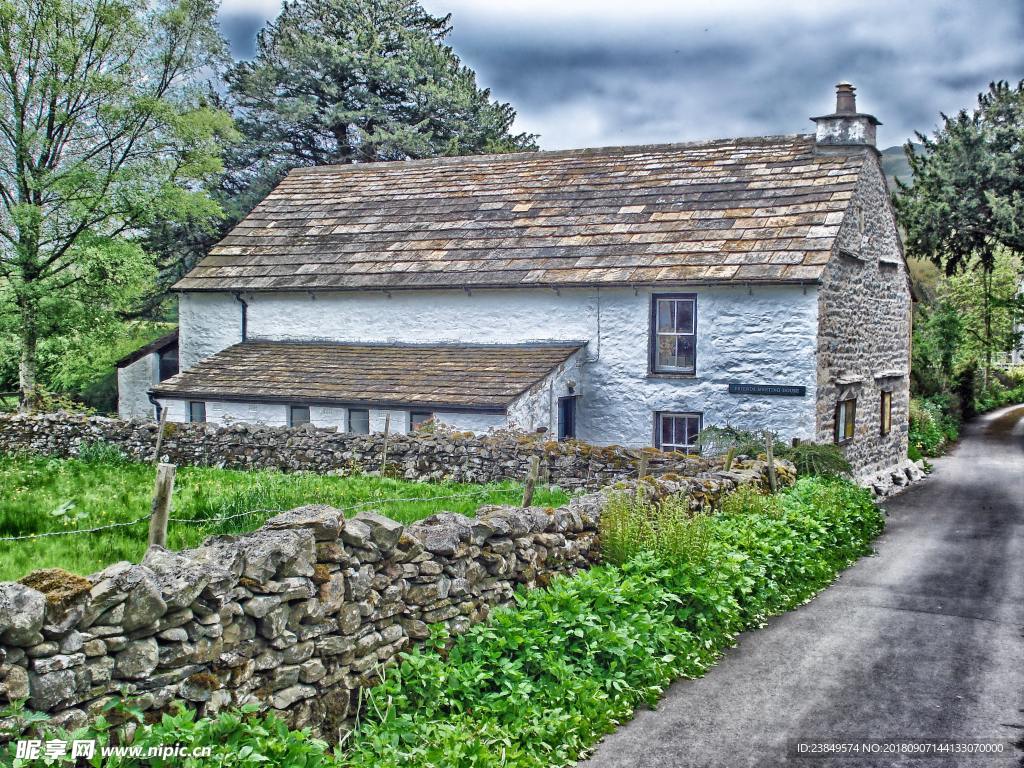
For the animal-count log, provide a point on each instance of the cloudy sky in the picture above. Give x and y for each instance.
(594, 73)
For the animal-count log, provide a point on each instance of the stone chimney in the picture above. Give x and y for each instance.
(846, 127)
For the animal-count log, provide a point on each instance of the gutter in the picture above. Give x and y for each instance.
(245, 314)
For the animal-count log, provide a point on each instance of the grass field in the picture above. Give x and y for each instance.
(39, 495)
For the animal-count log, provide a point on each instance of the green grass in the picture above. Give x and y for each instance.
(38, 495)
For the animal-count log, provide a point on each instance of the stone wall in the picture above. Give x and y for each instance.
(296, 616)
(457, 456)
(864, 332)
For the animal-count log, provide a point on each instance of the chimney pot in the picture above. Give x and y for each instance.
(846, 99)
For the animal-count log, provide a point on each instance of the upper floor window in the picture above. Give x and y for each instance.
(677, 431)
(197, 411)
(674, 333)
(846, 417)
(298, 415)
(886, 416)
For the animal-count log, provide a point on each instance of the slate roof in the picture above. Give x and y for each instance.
(485, 377)
(742, 210)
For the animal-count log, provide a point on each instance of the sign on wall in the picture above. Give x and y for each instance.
(777, 390)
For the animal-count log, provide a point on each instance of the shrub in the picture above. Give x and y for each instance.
(632, 524)
(102, 452)
(817, 459)
(932, 425)
(748, 500)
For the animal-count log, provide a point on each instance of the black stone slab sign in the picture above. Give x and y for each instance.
(778, 390)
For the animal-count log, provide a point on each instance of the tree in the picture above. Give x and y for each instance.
(340, 81)
(103, 132)
(966, 202)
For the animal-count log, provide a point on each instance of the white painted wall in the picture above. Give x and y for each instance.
(207, 323)
(133, 383)
(761, 335)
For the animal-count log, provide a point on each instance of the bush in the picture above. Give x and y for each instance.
(542, 681)
(748, 500)
(932, 425)
(817, 459)
(102, 452)
(667, 529)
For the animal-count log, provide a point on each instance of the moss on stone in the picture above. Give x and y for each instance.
(61, 588)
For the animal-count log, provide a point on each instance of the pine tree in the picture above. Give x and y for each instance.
(340, 81)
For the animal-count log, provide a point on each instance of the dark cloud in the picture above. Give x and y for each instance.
(591, 73)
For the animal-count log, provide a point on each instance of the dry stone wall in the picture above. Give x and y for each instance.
(295, 617)
(462, 457)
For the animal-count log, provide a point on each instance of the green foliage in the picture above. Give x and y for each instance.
(339, 81)
(633, 524)
(541, 682)
(716, 441)
(103, 131)
(100, 488)
(102, 452)
(748, 500)
(816, 459)
(932, 427)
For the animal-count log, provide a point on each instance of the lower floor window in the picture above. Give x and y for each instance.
(197, 411)
(886, 413)
(846, 417)
(359, 421)
(677, 431)
(298, 415)
(418, 418)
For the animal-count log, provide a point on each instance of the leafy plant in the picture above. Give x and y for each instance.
(816, 459)
(633, 524)
(102, 452)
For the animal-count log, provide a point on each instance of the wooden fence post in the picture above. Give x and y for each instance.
(641, 468)
(769, 450)
(160, 434)
(162, 493)
(531, 480)
(729, 456)
(384, 454)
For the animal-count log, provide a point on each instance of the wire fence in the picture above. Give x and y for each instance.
(255, 512)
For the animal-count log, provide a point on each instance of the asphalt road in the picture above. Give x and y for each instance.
(925, 640)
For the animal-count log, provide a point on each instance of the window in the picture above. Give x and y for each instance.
(197, 411)
(846, 415)
(677, 431)
(359, 421)
(674, 333)
(168, 361)
(418, 418)
(886, 418)
(567, 417)
(298, 415)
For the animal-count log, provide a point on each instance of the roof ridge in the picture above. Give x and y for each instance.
(549, 153)
(540, 344)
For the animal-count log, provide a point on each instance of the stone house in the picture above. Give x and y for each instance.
(627, 295)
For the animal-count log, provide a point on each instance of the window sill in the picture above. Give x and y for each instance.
(667, 375)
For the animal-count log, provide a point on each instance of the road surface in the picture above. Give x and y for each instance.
(923, 641)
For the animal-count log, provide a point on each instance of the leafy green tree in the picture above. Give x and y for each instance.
(103, 132)
(340, 81)
(966, 203)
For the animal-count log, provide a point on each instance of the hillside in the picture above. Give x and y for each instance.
(895, 165)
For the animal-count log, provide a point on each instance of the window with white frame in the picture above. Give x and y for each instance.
(418, 418)
(677, 431)
(674, 333)
(846, 420)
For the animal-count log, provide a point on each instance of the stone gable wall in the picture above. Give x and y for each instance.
(462, 457)
(295, 617)
(864, 329)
